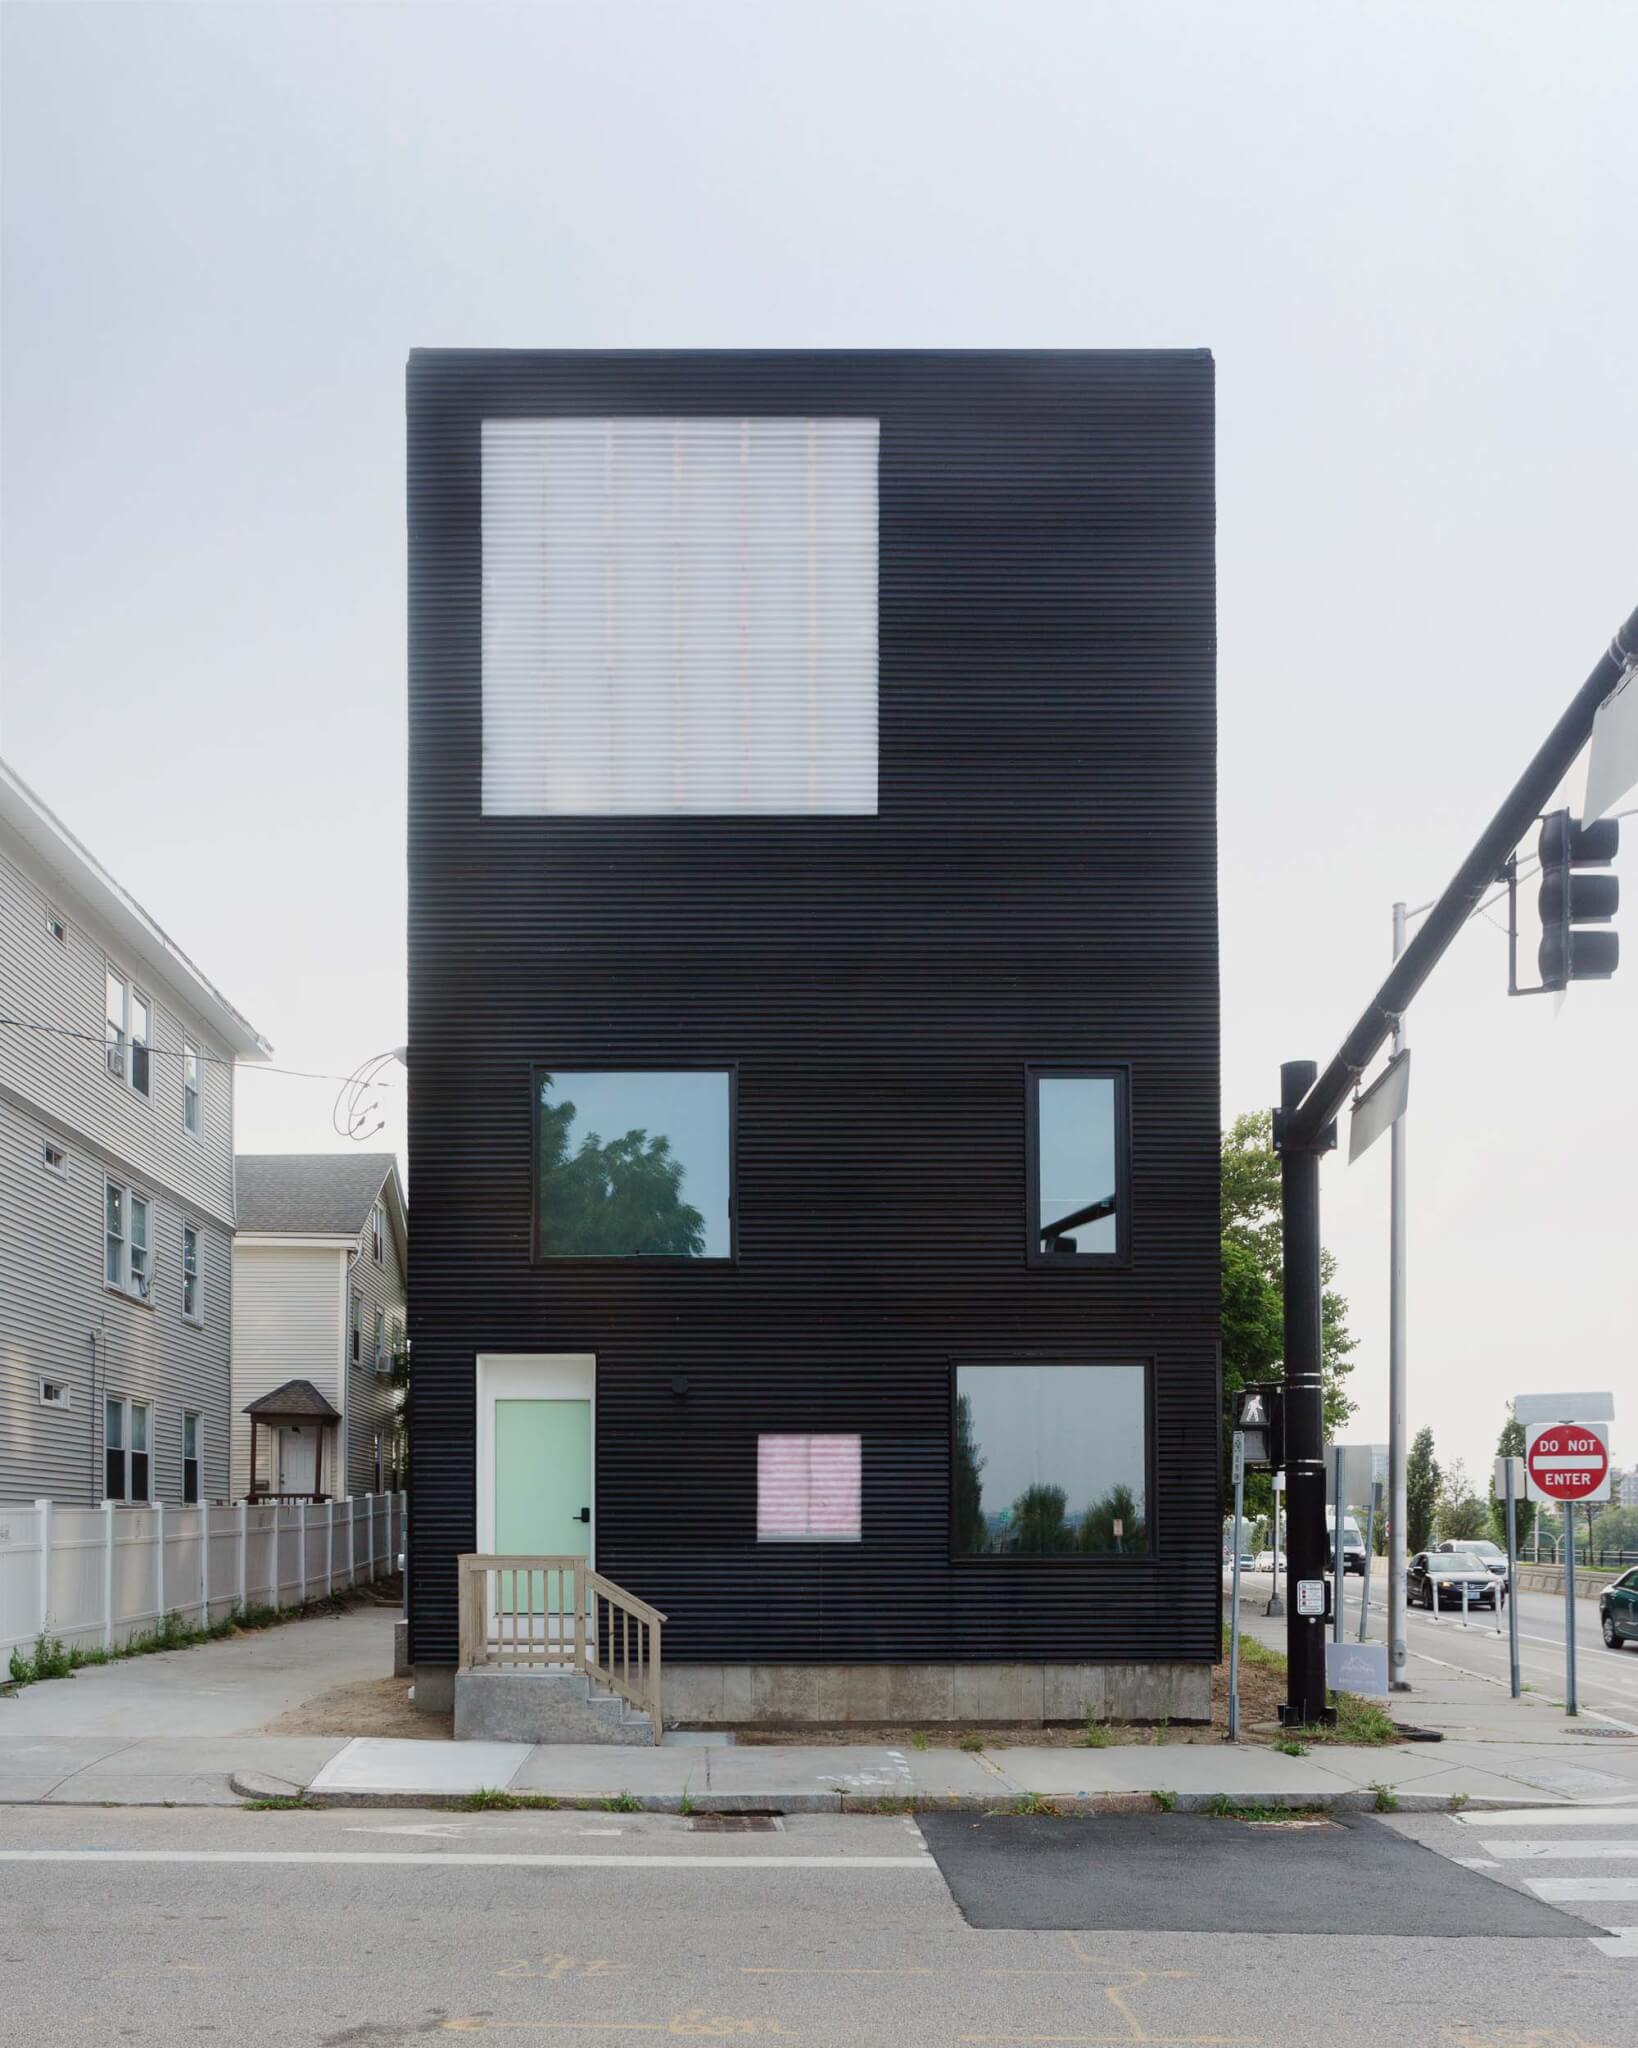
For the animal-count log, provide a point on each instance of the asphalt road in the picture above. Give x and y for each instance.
(1606, 1680)
(374, 1928)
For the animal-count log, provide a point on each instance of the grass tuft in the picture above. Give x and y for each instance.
(1165, 1802)
(971, 1744)
(1096, 1735)
(1386, 1800)
(918, 1740)
(1458, 1800)
(492, 1799)
(622, 1802)
(290, 1805)
(1032, 1802)
(1289, 1746)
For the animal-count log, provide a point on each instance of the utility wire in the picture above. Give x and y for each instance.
(176, 1052)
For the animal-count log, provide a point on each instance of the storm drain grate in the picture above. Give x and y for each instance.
(736, 1823)
(1614, 1734)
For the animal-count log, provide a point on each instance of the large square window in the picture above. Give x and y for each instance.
(633, 1164)
(679, 616)
(1077, 1125)
(1051, 1460)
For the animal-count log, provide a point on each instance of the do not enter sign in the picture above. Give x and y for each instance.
(1568, 1461)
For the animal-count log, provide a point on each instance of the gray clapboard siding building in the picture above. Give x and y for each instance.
(318, 1298)
(116, 1184)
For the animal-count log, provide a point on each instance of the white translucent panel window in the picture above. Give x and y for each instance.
(807, 1489)
(679, 616)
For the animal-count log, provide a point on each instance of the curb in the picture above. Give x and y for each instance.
(1066, 1805)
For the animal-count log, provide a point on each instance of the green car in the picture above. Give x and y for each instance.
(1618, 1611)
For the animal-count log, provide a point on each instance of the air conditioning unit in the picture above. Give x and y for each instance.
(116, 1061)
(143, 1283)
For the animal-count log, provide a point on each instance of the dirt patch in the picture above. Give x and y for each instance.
(369, 1706)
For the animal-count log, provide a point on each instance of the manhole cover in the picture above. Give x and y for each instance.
(1614, 1734)
(735, 1823)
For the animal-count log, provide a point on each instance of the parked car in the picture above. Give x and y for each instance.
(1618, 1611)
(1490, 1555)
(1264, 1561)
(1248, 1562)
(1439, 1576)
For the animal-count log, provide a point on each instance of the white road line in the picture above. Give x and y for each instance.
(1562, 1890)
(1603, 1816)
(1620, 1942)
(1519, 1852)
(1476, 1862)
(435, 1860)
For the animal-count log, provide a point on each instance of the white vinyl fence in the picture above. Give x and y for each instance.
(105, 1574)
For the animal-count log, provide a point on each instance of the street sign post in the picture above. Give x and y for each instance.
(1234, 1608)
(1509, 1477)
(1565, 1462)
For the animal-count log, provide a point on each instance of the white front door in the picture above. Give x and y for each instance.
(298, 1458)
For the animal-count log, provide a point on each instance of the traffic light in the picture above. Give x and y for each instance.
(1572, 900)
(1259, 1415)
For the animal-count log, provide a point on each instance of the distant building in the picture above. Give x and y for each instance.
(318, 1319)
(1627, 1490)
(116, 1184)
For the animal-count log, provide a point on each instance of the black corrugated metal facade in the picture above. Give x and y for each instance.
(1039, 886)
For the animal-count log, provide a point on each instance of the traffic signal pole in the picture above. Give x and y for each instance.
(1304, 1131)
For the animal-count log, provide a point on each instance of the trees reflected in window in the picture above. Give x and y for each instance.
(632, 1164)
(1051, 1460)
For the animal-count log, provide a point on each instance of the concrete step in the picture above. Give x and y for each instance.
(495, 1705)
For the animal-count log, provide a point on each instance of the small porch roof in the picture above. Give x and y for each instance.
(295, 1401)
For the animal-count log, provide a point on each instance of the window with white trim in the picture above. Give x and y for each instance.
(192, 1283)
(56, 926)
(128, 1257)
(378, 1346)
(192, 1120)
(129, 1033)
(54, 1159)
(378, 1233)
(808, 1489)
(355, 1327)
(126, 1473)
(56, 1394)
(679, 616)
(190, 1458)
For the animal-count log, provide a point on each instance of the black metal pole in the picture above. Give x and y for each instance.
(1477, 873)
(1304, 1405)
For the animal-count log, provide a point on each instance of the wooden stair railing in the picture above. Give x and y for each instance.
(556, 1614)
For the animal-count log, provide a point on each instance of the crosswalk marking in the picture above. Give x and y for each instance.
(1554, 1817)
(1519, 1852)
(1560, 1891)
(1620, 1942)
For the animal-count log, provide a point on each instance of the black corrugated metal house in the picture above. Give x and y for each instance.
(814, 1020)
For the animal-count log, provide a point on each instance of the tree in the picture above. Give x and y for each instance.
(1510, 1444)
(1462, 1515)
(1616, 1528)
(1097, 1532)
(972, 1531)
(1038, 1522)
(623, 1198)
(1252, 1332)
(1422, 1486)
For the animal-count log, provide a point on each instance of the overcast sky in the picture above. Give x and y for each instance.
(1406, 232)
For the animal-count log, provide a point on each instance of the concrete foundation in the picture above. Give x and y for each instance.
(401, 1666)
(828, 1695)
(435, 1688)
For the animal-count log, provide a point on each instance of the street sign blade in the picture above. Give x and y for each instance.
(1381, 1106)
(1528, 1408)
(1612, 764)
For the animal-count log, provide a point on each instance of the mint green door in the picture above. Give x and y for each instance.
(543, 1478)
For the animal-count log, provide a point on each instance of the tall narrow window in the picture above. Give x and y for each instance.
(1050, 1460)
(191, 1306)
(1077, 1140)
(117, 1024)
(679, 615)
(632, 1165)
(378, 1233)
(139, 1452)
(190, 1458)
(113, 1450)
(379, 1346)
(190, 1089)
(141, 1042)
(141, 1267)
(355, 1326)
(56, 927)
(114, 1234)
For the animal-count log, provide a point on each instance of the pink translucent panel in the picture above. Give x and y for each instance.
(807, 1486)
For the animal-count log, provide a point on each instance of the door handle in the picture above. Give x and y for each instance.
(584, 1515)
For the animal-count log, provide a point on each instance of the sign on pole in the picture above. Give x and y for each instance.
(1357, 1667)
(1568, 1461)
